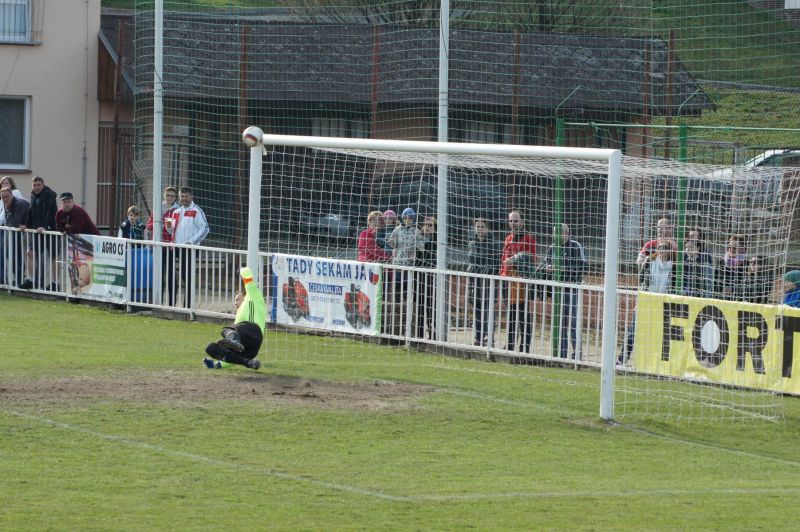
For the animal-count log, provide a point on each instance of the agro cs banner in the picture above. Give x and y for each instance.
(96, 266)
(337, 295)
(724, 342)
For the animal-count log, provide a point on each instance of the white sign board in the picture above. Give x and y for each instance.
(327, 294)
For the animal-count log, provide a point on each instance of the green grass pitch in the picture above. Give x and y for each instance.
(109, 421)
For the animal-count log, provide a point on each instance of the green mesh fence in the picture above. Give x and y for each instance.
(582, 73)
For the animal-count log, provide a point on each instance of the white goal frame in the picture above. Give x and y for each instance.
(613, 158)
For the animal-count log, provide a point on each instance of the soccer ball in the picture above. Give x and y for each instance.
(252, 136)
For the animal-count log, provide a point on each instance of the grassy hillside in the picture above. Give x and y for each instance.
(724, 41)
(731, 41)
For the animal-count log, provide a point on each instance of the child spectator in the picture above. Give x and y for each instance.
(368, 248)
(133, 228)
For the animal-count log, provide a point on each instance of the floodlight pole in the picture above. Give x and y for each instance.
(609, 342)
(441, 204)
(158, 143)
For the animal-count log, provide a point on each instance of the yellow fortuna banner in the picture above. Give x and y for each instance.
(726, 342)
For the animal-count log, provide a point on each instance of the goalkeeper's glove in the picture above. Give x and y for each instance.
(247, 274)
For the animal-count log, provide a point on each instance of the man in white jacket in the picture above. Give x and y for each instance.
(188, 225)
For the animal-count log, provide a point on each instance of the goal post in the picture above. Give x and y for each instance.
(590, 272)
(610, 286)
(442, 153)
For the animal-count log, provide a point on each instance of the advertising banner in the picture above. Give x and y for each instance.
(333, 295)
(725, 342)
(96, 266)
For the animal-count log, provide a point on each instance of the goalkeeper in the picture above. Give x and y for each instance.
(241, 342)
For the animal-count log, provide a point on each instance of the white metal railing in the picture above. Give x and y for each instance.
(499, 316)
(193, 279)
(489, 314)
(31, 260)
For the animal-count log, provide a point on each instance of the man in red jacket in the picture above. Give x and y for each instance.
(168, 206)
(73, 219)
(517, 244)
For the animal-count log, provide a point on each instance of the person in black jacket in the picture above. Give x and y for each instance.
(41, 218)
(698, 266)
(16, 213)
(424, 290)
(484, 258)
(570, 268)
(759, 280)
(730, 274)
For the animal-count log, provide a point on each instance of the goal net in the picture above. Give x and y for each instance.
(506, 254)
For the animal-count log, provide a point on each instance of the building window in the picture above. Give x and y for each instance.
(14, 127)
(339, 127)
(15, 20)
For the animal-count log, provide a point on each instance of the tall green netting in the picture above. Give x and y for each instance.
(713, 82)
(700, 82)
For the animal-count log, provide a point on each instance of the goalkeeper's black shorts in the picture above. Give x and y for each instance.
(251, 337)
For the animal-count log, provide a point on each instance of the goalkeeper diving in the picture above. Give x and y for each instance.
(241, 342)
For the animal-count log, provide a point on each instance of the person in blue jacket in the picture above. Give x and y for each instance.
(792, 287)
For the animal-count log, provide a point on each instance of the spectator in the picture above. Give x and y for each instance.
(484, 258)
(791, 285)
(388, 225)
(73, 219)
(655, 275)
(517, 246)
(168, 206)
(698, 266)
(426, 280)
(730, 274)
(664, 231)
(573, 268)
(6, 182)
(15, 213)
(368, 248)
(188, 225)
(405, 241)
(41, 217)
(758, 280)
(133, 228)
(9, 183)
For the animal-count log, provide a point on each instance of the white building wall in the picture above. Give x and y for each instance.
(60, 78)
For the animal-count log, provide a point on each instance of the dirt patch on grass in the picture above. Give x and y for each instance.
(181, 387)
